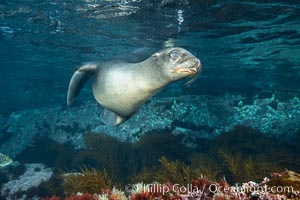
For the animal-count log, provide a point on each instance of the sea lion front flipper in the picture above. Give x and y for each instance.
(111, 119)
(78, 79)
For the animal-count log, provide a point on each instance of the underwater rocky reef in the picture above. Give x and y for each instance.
(106, 166)
(68, 153)
(194, 117)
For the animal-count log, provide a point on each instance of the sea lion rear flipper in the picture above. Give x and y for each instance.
(78, 79)
(112, 119)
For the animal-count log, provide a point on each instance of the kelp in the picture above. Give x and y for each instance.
(88, 180)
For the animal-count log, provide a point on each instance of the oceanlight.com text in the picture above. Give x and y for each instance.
(212, 188)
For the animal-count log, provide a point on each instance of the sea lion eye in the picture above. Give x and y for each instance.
(174, 54)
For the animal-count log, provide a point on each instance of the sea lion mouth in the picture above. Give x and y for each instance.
(189, 67)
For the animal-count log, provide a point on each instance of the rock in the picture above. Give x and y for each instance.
(34, 175)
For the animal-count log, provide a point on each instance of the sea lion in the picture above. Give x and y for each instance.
(122, 87)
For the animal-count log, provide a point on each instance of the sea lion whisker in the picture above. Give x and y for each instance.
(192, 80)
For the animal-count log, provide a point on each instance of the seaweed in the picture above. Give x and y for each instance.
(169, 171)
(242, 168)
(205, 165)
(174, 172)
(232, 162)
(89, 180)
(47, 151)
(245, 140)
(240, 155)
(124, 160)
(106, 152)
(154, 145)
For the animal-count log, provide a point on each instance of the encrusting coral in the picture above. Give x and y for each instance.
(202, 188)
(287, 178)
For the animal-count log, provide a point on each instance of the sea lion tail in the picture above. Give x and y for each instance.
(79, 78)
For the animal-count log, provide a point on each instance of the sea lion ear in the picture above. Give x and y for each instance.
(155, 55)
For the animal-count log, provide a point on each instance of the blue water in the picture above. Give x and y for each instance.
(242, 45)
(247, 48)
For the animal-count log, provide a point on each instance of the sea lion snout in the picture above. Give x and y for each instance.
(195, 68)
(188, 67)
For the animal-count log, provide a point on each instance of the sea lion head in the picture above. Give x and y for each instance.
(178, 63)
